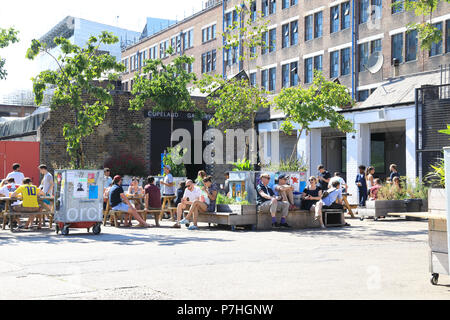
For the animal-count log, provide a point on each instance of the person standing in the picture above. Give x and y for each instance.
(46, 185)
(362, 186)
(107, 180)
(167, 185)
(323, 177)
(394, 172)
(16, 174)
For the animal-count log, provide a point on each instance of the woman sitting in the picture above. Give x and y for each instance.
(311, 194)
(136, 190)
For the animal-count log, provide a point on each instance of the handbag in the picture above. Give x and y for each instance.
(326, 194)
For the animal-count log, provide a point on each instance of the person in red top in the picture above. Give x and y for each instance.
(152, 195)
(373, 192)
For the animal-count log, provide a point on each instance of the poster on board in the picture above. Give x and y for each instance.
(81, 189)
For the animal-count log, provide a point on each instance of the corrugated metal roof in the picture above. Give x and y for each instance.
(400, 90)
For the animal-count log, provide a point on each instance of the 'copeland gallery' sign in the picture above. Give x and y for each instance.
(180, 115)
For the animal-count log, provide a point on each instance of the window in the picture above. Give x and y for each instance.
(272, 6)
(294, 74)
(285, 36)
(345, 61)
(363, 95)
(411, 45)
(376, 9)
(318, 63)
(152, 53)
(284, 4)
(308, 27)
(228, 19)
(188, 39)
(294, 2)
(294, 33)
(272, 39)
(253, 11)
(272, 78)
(447, 39)
(318, 24)
(334, 64)
(436, 48)
(397, 47)
(209, 61)
(253, 79)
(265, 8)
(252, 52)
(125, 63)
(208, 33)
(265, 38)
(345, 14)
(285, 75)
(188, 67)
(363, 11)
(363, 56)
(231, 55)
(264, 79)
(375, 46)
(334, 19)
(397, 6)
(308, 70)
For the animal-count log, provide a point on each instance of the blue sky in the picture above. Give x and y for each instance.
(34, 18)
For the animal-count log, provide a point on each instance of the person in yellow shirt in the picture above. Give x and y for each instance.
(29, 203)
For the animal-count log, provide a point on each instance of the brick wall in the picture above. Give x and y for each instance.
(114, 136)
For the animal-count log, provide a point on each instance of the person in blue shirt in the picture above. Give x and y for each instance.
(332, 201)
(362, 186)
(394, 172)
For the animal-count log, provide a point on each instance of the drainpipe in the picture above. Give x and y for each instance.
(223, 40)
(354, 43)
(241, 23)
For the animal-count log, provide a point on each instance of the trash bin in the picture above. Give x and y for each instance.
(413, 205)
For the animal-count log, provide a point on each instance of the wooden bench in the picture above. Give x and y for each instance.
(297, 219)
(115, 214)
(229, 219)
(18, 214)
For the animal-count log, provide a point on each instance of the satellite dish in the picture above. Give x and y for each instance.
(375, 62)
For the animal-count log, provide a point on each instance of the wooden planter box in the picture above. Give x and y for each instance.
(237, 208)
(381, 208)
(437, 201)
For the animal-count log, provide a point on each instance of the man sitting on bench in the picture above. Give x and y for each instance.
(331, 199)
(119, 202)
(206, 203)
(152, 195)
(269, 203)
(29, 202)
(191, 194)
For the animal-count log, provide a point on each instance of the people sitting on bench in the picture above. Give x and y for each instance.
(268, 202)
(152, 195)
(331, 199)
(29, 202)
(206, 203)
(285, 190)
(191, 194)
(119, 202)
(311, 194)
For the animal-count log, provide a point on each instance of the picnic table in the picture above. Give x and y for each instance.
(8, 212)
(118, 214)
(166, 200)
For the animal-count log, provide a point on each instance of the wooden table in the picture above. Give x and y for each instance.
(8, 209)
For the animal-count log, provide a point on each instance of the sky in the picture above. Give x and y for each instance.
(34, 18)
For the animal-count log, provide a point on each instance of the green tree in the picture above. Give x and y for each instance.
(76, 86)
(7, 37)
(319, 102)
(165, 85)
(427, 33)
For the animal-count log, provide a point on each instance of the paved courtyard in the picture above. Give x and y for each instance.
(369, 260)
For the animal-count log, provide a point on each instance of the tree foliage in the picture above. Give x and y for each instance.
(165, 85)
(246, 33)
(427, 33)
(318, 102)
(7, 37)
(75, 80)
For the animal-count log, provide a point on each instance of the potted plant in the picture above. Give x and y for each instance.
(229, 204)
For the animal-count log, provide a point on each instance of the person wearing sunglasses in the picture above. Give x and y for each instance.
(267, 202)
(311, 194)
(191, 194)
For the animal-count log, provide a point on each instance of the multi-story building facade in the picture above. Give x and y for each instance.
(341, 38)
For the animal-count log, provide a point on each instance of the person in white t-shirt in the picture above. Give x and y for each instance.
(46, 185)
(16, 174)
(337, 177)
(191, 194)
